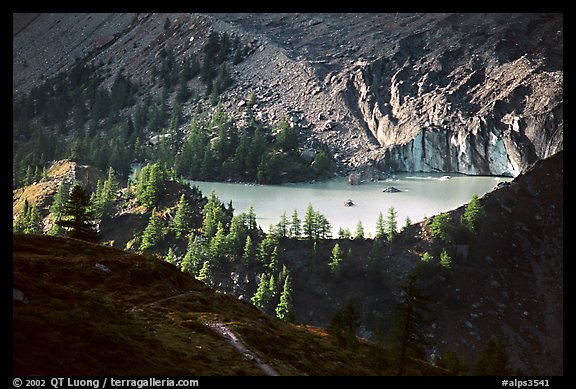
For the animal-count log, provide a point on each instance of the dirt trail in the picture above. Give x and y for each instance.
(231, 337)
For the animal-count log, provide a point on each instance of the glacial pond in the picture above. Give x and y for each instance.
(420, 195)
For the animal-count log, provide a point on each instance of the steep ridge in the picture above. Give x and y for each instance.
(468, 93)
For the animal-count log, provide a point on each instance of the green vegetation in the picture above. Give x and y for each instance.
(316, 226)
(336, 259)
(441, 227)
(445, 259)
(115, 126)
(104, 199)
(285, 306)
(343, 326)
(77, 217)
(473, 213)
(153, 232)
(28, 221)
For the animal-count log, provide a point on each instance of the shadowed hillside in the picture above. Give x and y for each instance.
(100, 311)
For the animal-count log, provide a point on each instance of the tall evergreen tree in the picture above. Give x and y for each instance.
(263, 294)
(206, 273)
(380, 227)
(408, 330)
(194, 255)
(249, 253)
(213, 215)
(473, 212)
(295, 226)
(33, 221)
(57, 208)
(309, 226)
(391, 224)
(183, 218)
(170, 256)
(359, 233)
(152, 233)
(251, 221)
(285, 307)
(282, 226)
(77, 216)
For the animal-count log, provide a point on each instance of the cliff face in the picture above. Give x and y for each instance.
(468, 93)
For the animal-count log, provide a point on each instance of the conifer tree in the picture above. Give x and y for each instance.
(284, 309)
(336, 259)
(310, 222)
(262, 295)
(152, 233)
(359, 233)
(344, 324)
(391, 224)
(408, 329)
(194, 255)
(33, 221)
(20, 222)
(295, 226)
(183, 218)
(60, 198)
(249, 252)
(445, 260)
(380, 227)
(206, 273)
(473, 212)
(77, 216)
(238, 232)
(170, 256)
(441, 227)
(344, 233)
(213, 214)
(282, 226)
(251, 221)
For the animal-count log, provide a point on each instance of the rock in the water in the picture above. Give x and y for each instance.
(354, 179)
(391, 189)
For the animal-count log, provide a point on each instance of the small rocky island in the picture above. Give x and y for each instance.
(391, 189)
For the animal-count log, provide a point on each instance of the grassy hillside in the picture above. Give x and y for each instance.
(97, 310)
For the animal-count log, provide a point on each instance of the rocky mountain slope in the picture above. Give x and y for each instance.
(469, 93)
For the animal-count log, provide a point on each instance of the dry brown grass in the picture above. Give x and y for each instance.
(145, 317)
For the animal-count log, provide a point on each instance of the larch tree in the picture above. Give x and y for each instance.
(284, 309)
(359, 233)
(391, 224)
(336, 259)
(380, 227)
(295, 226)
(262, 295)
(408, 328)
(473, 213)
(152, 233)
(183, 218)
